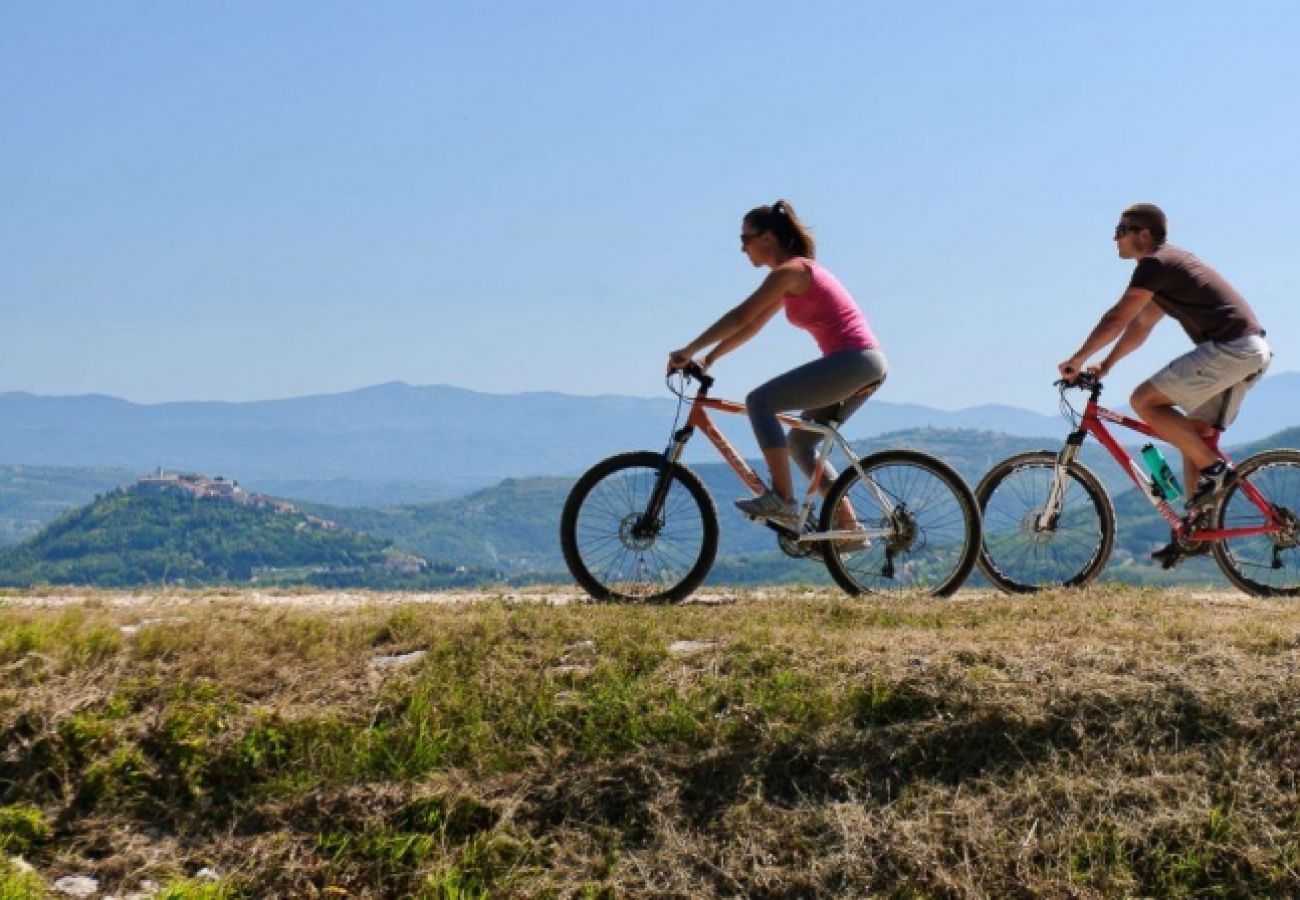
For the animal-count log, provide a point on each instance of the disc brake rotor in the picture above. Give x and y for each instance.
(1039, 537)
(633, 535)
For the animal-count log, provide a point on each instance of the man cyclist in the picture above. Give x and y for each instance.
(1208, 382)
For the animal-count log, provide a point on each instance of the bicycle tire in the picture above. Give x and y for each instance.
(936, 536)
(1244, 561)
(1021, 560)
(611, 563)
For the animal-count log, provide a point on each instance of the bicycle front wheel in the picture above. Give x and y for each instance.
(1265, 565)
(616, 551)
(921, 519)
(1019, 555)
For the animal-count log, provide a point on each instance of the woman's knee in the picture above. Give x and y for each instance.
(803, 449)
(767, 427)
(757, 403)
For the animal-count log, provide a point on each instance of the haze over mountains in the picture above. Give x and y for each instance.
(397, 443)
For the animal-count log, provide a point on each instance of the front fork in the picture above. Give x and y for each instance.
(652, 517)
(1051, 511)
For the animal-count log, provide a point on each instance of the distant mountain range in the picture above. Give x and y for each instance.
(397, 443)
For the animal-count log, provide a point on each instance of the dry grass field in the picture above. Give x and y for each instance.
(781, 743)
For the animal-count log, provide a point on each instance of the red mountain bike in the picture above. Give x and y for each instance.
(1048, 521)
(642, 526)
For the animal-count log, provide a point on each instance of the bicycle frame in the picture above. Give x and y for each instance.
(699, 419)
(1093, 422)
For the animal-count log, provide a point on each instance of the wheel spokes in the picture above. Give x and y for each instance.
(1015, 541)
(923, 524)
(628, 556)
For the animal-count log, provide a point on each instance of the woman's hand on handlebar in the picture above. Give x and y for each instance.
(680, 359)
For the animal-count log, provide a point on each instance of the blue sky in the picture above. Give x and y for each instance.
(233, 201)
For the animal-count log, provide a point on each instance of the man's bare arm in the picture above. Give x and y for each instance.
(1111, 326)
(1133, 337)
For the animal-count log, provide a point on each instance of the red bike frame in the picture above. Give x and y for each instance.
(1094, 418)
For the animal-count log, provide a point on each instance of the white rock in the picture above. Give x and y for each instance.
(207, 874)
(691, 646)
(77, 886)
(402, 659)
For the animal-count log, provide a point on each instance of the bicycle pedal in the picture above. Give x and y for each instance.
(1178, 550)
(1168, 556)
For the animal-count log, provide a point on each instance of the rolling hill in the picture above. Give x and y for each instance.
(134, 537)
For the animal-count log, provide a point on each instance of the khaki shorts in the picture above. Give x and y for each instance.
(1210, 381)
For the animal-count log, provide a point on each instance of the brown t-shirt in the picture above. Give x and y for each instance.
(1207, 307)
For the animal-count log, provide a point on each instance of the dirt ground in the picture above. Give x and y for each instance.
(555, 595)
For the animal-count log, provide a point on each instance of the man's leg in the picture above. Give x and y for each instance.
(1158, 411)
(1191, 471)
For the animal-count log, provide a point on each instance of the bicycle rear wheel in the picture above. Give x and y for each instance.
(922, 519)
(1265, 565)
(616, 552)
(1020, 557)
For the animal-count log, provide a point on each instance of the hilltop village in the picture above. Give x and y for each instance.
(201, 487)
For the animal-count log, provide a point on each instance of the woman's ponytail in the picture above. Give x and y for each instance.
(790, 232)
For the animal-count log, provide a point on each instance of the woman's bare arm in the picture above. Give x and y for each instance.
(757, 309)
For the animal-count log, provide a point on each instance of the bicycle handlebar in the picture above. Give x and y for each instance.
(694, 370)
(1084, 381)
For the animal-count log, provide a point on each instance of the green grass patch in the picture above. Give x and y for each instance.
(1109, 743)
(22, 827)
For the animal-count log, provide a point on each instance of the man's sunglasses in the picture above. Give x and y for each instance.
(1124, 228)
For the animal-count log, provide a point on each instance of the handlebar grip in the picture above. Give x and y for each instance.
(693, 370)
(1084, 381)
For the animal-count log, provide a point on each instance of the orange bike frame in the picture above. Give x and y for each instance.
(699, 418)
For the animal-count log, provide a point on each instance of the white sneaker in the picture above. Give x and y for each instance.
(769, 505)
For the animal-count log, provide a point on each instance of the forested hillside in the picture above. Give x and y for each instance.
(128, 538)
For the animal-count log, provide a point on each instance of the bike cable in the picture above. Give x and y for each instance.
(1068, 412)
(681, 399)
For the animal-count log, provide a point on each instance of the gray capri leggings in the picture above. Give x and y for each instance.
(820, 388)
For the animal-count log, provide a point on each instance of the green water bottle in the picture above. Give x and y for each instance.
(1163, 476)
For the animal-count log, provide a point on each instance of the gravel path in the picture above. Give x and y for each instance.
(552, 594)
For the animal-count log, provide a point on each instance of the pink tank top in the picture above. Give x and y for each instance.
(827, 311)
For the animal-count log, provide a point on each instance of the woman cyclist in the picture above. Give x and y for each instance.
(831, 387)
